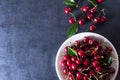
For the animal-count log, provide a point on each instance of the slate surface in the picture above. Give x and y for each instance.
(31, 32)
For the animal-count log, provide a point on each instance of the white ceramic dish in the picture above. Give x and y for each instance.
(80, 36)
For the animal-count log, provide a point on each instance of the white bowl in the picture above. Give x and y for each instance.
(80, 36)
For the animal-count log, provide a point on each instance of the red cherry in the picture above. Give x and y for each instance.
(79, 61)
(96, 20)
(95, 52)
(74, 66)
(93, 10)
(109, 49)
(99, 69)
(100, 1)
(80, 53)
(96, 64)
(97, 57)
(79, 76)
(92, 27)
(71, 21)
(85, 78)
(85, 8)
(85, 39)
(65, 71)
(91, 73)
(91, 41)
(70, 72)
(86, 62)
(66, 49)
(81, 22)
(67, 10)
(77, 43)
(63, 63)
(70, 77)
(69, 62)
(66, 57)
(111, 70)
(73, 59)
(103, 19)
(89, 16)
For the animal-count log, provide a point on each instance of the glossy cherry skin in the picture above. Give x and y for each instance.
(71, 21)
(89, 16)
(92, 27)
(80, 53)
(100, 1)
(74, 66)
(67, 10)
(63, 63)
(66, 57)
(96, 64)
(79, 76)
(103, 19)
(85, 8)
(93, 10)
(81, 22)
(96, 20)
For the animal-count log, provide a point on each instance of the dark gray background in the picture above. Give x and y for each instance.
(31, 32)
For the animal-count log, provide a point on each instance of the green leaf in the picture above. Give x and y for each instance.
(72, 52)
(70, 3)
(72, 30)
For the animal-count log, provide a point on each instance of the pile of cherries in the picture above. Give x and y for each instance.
(89, 14)
(91, 62)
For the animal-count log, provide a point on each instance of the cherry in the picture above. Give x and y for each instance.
(97, 58)
(70, 72)
(81, 22)
(69, 62)
(90, 68)
(65, 71)
(70, 77)
(96, 20)
(79, 76)
(77, 43)
(66, 57)
(63, 63)
(103, 19)
(67, 10)
(73, 59)
(85, 39)
(91, 41)
(86, 62)
(89, 16)
(74, 66)
(99, 69)
(91, 73)
(85, 8)
(79, 61)
(98, 46)
(80, 53)
(85, 78)
(92, 27)
(66, 49)
(100, 1)
(111, 70)
(95, 52)
(109, 49)
(71, 21)
(96, 64)
(93, 10)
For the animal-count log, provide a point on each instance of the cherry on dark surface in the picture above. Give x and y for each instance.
(85, 8)
(67, 10)
(81, 22)
(71, 20)
(92, 27)
(65, 71)
(96, 64)
(79, 76)
(66, 57)
(93, 10)
(63, 63)
(100, 1)
(89, 16)
(73, 58)
(103, 19)
(85, 39)
(96, 20)
(74, 66)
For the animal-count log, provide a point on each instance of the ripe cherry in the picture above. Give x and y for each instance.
(103, 19)
(111, 70)
(80, 53)
(79, 61)
(69, 62)
(85, 78)
(91, 41)
(96, 20)
(97, 57)
(63, 63)
(66, 49)
(85, 39)
(95, 52)
(79, 76)
(77, 43)
(89, 16)
(91, 73)
(85, 8)
(100, 1)
(70, 72)
(66, 57)
(71, 21)
(74, 66)
(96, 64)
(86, 62)
(92, 27)
(65, 71)
(81, 22)
(70, 77)
(93, 10)
(67, 10)
(73, 58)
(99, 69)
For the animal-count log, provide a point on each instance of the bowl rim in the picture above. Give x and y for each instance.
(91, 33)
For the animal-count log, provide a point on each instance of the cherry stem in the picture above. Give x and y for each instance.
(78, 3)
(87, 30)
(73, 16)
(92, 3)
(101, 11)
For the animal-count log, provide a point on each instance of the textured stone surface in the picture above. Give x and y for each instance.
(31, 32)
